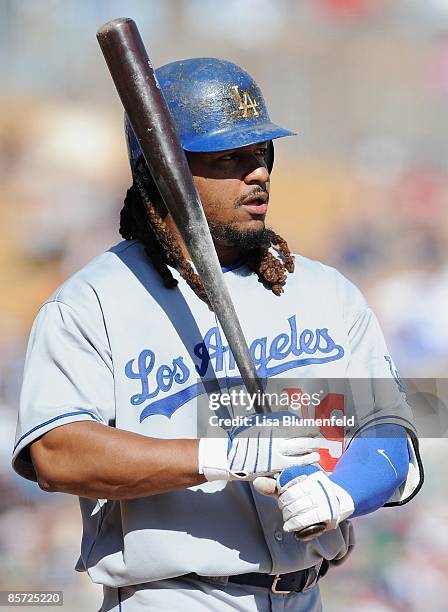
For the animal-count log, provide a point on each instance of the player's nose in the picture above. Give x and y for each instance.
(258, 174)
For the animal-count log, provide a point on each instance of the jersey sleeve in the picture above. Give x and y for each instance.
(378, 393)
(68, 376)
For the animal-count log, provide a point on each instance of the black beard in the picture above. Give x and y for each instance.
(245, 241)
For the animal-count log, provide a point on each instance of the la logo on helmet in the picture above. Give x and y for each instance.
(246, 102)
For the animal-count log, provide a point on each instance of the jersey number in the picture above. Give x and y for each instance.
(333, 435)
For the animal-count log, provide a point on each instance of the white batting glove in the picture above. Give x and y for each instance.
(306, 496)
(254, 451)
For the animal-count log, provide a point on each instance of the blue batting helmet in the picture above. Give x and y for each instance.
(216, 106)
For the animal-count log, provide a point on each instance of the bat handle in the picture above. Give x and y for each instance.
(310, 532)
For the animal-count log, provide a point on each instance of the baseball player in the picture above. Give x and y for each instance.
(117, 363)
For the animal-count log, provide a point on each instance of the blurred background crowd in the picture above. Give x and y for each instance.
(363, 187)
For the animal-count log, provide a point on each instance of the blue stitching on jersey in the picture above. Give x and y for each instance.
(328, 499)
(258, 450)
(61, 416)
(270, 450)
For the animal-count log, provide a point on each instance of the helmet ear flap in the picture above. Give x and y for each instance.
(270, 156)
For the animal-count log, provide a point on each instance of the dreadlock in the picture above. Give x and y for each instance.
(270, 269)
(141, 220)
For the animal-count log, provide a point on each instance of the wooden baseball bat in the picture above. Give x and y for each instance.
(150, 117)
(151, 120)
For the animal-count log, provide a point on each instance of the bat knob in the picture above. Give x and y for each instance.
(308, 533)
(112, 25)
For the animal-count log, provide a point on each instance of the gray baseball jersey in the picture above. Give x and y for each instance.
(114, 346)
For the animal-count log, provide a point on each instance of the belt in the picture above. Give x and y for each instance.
(280, 584)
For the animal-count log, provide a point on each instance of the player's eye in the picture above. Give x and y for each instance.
(228, 157)
(234, 155)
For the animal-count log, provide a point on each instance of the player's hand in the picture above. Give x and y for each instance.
(306, 496)
(253, 451)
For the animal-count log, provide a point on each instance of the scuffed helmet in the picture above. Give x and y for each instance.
(216, 106)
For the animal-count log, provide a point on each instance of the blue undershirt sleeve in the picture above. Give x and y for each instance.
(374, 465)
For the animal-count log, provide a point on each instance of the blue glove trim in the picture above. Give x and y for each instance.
(295, 471)
(245, 455)
(234, 454)
(328, 499)
(369, 476)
